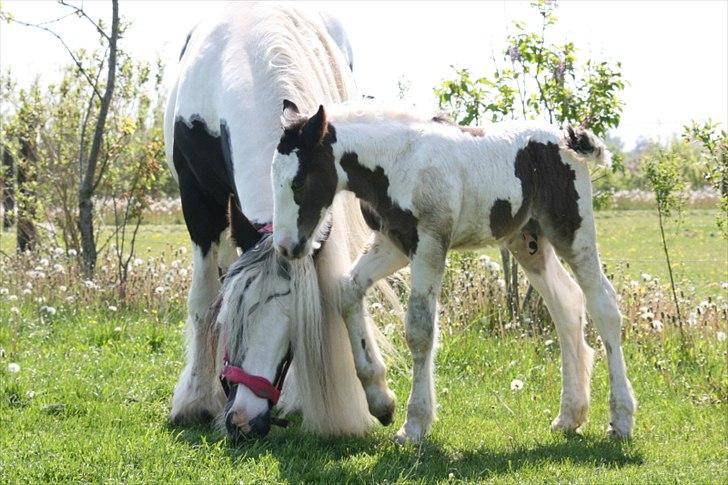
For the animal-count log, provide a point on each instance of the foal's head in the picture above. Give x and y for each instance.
(304, 180)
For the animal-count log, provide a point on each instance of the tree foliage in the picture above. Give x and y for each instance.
(537, 78)
(61, 118)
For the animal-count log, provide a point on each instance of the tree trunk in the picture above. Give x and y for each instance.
(8, 188)
(25, 176)
(88, 182)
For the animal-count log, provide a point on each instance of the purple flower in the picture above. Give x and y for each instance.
(514, 53)
(559, 71)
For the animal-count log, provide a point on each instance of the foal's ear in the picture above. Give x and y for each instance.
(315, 128)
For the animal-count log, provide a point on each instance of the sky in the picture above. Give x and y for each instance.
(674, 54)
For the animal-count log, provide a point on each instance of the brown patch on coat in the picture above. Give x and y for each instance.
(548, 185)
(371, 187)
(314, 185)
(242, 231)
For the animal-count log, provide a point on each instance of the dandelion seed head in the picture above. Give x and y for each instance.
(48, 310)
(516, 385)
(13, 368)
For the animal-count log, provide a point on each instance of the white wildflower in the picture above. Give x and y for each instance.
(4, 291)
(646, 277)
(70, 299)
(724, 285)
(44, 262)
(29, 285)
(13, 368)
(25, 292)
(138, 261)
(112, 308)
(12, 297)
(492, 266)
(58, 268)
(62, 288)
(159, 290)
(176, 263)
(48, 310)
(57, 251)
(657, 325)
(516, 385)
(377, 306)
(720, 336)
(117, 329)
(91, 285)
(72, 252)
(549, 343)
(14, 310)
(183, 272)
(647, 315)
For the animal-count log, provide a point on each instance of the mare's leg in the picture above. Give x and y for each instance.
(428, 265)
(381, 259)
(565, 303)
(198, 396)
(601, 303)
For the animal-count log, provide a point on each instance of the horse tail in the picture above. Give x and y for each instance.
(582, 143)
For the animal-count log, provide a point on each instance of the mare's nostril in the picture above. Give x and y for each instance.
(260, 425)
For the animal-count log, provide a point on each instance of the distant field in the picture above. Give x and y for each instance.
(629, 242)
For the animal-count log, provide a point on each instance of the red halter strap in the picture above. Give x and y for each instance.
(260, 386)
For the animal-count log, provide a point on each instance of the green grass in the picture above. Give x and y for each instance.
(91, 401)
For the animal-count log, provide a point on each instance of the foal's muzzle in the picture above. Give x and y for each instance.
(290, 249)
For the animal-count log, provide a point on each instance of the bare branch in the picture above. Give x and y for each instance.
(68, 49)
(82, 13)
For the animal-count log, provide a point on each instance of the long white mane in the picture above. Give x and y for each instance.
(299, 61)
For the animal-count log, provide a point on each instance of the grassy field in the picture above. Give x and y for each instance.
(91, 396)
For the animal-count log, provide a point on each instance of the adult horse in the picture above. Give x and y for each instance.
(221, 127)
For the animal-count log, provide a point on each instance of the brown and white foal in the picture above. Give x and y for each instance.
(429, 187)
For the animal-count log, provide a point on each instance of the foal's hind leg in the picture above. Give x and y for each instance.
(601, 302)
(565, 303)
(381, 259)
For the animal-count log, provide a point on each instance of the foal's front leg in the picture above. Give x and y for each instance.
(380, 260)
(427, 266)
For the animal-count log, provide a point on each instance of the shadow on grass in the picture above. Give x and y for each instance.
(304, 457)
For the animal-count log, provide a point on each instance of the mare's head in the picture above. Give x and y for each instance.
(304, 180)
(254, 337)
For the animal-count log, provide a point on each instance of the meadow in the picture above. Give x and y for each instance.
(86, 378)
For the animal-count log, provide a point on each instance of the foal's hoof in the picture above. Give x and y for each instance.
(404, 435)
(618, 433)
(381, 404)
(387, 416)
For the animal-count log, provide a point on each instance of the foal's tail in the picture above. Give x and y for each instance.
(586, 145)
